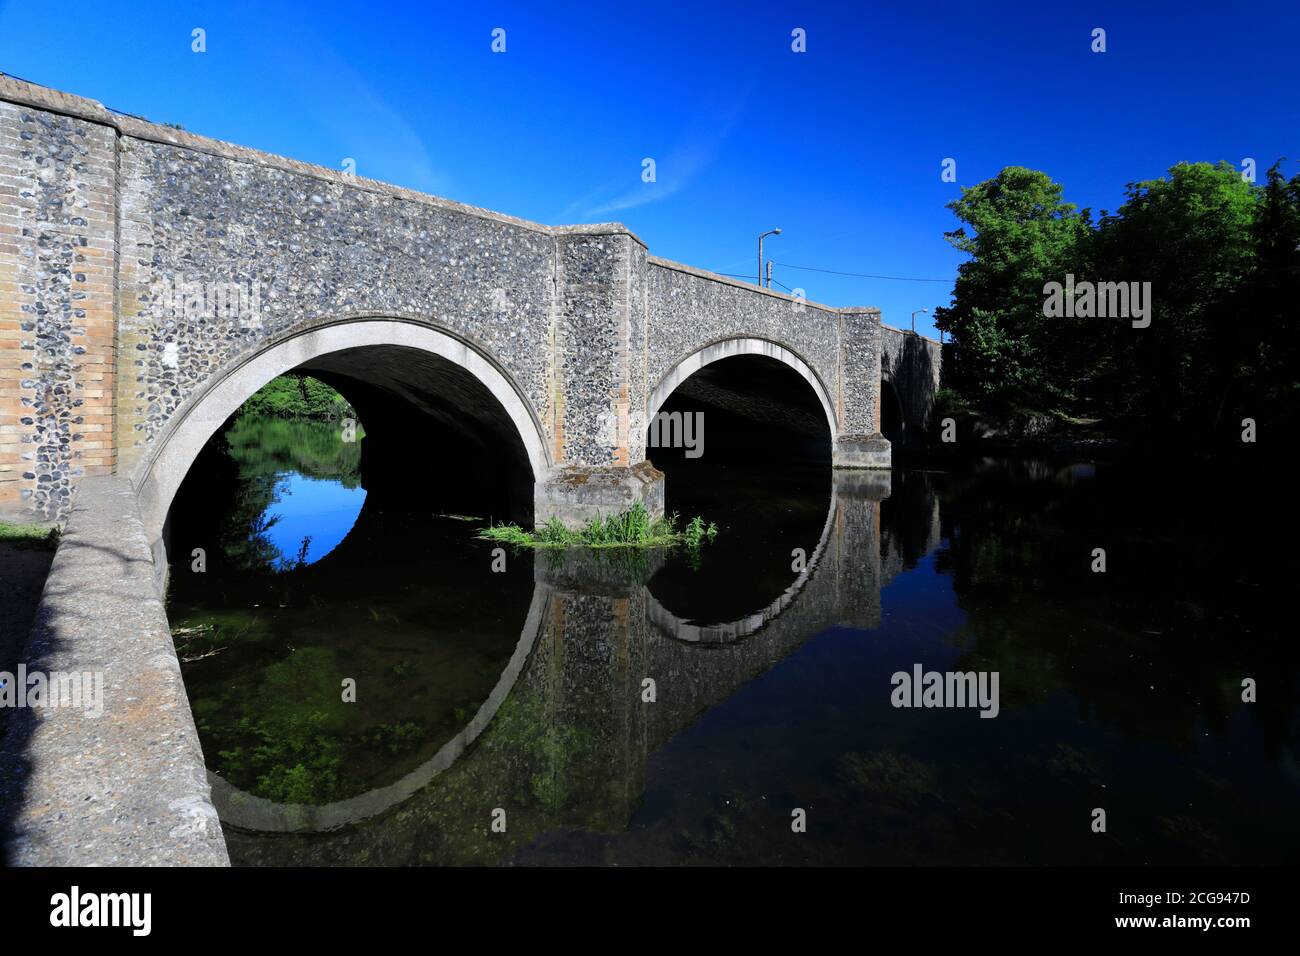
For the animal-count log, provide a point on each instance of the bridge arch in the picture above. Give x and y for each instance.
(893, 418)
(160, 473)
(729, 348)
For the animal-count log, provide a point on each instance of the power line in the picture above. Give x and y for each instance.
(23, 79)
(858, 275)
(732, 275)
(15, 76)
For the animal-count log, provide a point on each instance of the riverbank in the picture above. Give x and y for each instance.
(25, 555)
(960, 433)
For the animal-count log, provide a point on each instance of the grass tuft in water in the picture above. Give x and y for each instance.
(634, 528)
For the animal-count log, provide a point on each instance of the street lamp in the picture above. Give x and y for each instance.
(915, 314)
(770, 232)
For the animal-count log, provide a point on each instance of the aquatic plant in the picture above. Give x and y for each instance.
(697, 532)
(634, 528)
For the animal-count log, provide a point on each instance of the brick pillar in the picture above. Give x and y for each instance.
(58, 253)
(135, 292)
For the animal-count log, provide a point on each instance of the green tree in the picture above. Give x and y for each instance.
(295, 395)
(1006, 352)
(1222, 257)
(1192, 236)
(1270, 387)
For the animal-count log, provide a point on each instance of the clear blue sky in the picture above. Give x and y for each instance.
(840, 146)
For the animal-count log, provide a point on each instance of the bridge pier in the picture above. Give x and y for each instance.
(912, 365)
(858, 442)
(577, 495)
(597, 380)
(866, 451)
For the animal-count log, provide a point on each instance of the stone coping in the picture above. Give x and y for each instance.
(739, 284)
(128, 787)
(890, 328)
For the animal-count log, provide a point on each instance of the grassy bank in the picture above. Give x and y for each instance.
(36, 536)
(634, 528)
(26, 551)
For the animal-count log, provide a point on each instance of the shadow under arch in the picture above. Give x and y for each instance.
(893, 419)
(730, 348)
(241, 809)
(159, 474)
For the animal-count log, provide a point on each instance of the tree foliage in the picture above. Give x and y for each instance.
(295, 395)
(1024, 235)
(1223, 259)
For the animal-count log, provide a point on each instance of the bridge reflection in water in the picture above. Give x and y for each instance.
(564, 737)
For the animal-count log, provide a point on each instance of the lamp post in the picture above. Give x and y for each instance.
(770, 232)
(915, 314)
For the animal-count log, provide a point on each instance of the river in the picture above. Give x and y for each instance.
(736, 705)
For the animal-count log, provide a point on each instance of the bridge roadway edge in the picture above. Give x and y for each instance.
(128, 787)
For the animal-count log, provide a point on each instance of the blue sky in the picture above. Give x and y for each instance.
(840, 146)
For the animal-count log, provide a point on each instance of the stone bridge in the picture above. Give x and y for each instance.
(151, 280)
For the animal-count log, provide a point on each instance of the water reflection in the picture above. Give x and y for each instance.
(773, 527)
(526, 691)
(395, 607)
(567, 730)
(308, 519)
